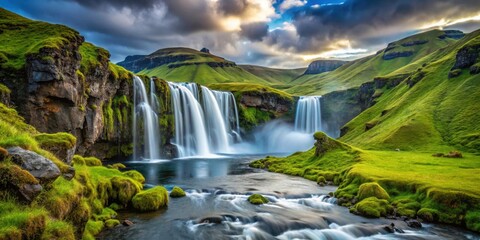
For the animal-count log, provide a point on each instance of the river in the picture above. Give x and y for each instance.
(216, 207)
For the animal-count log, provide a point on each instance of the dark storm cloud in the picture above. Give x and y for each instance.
(119, 4)
(370, 20)
(232, 7)
(254, 31)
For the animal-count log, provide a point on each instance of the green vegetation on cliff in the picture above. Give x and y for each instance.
(354, 73)
(274, 75)
(18, 34)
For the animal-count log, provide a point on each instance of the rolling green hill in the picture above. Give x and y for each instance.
(410, 52)
(189, 65)
(274, 75)
(429, 109)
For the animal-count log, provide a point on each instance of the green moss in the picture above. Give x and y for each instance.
(124, 189)
(151, 199)
(22, 223)
(4, 89)
(11, 173)
(118, 166)
(111, 223)
(56, 229)
(251, 117)
(115, 206)
(372, 189)
(257, 199)
(177, 192)
(78, 160)
(427, 214)
(472, 219)
(106, 214)
(321, 179)
(135, 175)
(53, 139)
(372, 207)
(92, 228)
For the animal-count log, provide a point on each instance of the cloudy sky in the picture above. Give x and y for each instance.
(276, 33)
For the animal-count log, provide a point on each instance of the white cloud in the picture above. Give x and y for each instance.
(287, 4)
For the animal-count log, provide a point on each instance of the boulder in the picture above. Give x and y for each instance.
(19, 182)
(127, 223)
(41, 168)
(413, 223)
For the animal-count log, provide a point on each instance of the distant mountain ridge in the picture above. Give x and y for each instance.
(321, 66)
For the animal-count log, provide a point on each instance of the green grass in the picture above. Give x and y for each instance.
(274, 75)
(437, 114)
(445, 188)
(20, 222)
(22, 37)
(53, 139)
(245, 88)
(364, 70)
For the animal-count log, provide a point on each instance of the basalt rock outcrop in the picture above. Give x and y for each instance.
(321, 66)
(266, 102)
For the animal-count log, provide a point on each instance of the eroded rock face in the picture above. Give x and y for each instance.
(466, 57)
(266, 102)
(41, 168)
(321, 66)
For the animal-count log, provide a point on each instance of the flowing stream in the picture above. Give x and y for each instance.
(216, 207)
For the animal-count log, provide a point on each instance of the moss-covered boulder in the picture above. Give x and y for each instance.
(372, 207)
(177, 192)
(151, 199)
(40, 167)
(61, 144)
(58, 230)
(324, 143)
(135, 175)
(372, 189)
(111, 223)
(257, 199)
(18, 182)
(124, 189)
(428, 214)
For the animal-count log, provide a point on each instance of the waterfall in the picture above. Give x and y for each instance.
(145, 132)
(206, 121)
(308, 118)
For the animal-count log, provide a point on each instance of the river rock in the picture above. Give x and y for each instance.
(127, 223)
(41, 168)
(413, 223)
(214, 219)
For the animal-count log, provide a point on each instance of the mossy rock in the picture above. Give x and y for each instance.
(472, 220)
(124, 189)
(115, 206)
(64, 139)
(135, 175)
(92, 228)
(58, 230)
(428, 214)
(257, 199)
(78, 160)
(118, 166)
(372, 189)
(177, 192)
(111, 223)
(92, 161)
(151, 199)
(372, 207)
(321, 179)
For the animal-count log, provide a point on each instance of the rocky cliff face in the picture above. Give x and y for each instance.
(321, 66)
(57, 91)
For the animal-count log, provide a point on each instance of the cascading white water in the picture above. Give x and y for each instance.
(308, 118)
(190, 135)
(228, 107)
(146, 119)
(206, 121)
(214, 122)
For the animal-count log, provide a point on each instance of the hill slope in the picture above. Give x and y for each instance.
(434, 107)
(274, 75)
(189, 65)
(387, 61)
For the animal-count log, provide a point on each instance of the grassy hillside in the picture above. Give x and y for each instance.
(189, 65)
(436, 112)
(400, 156)
(363, 70)
(274, 75)
(20, 37)
(203, 74)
